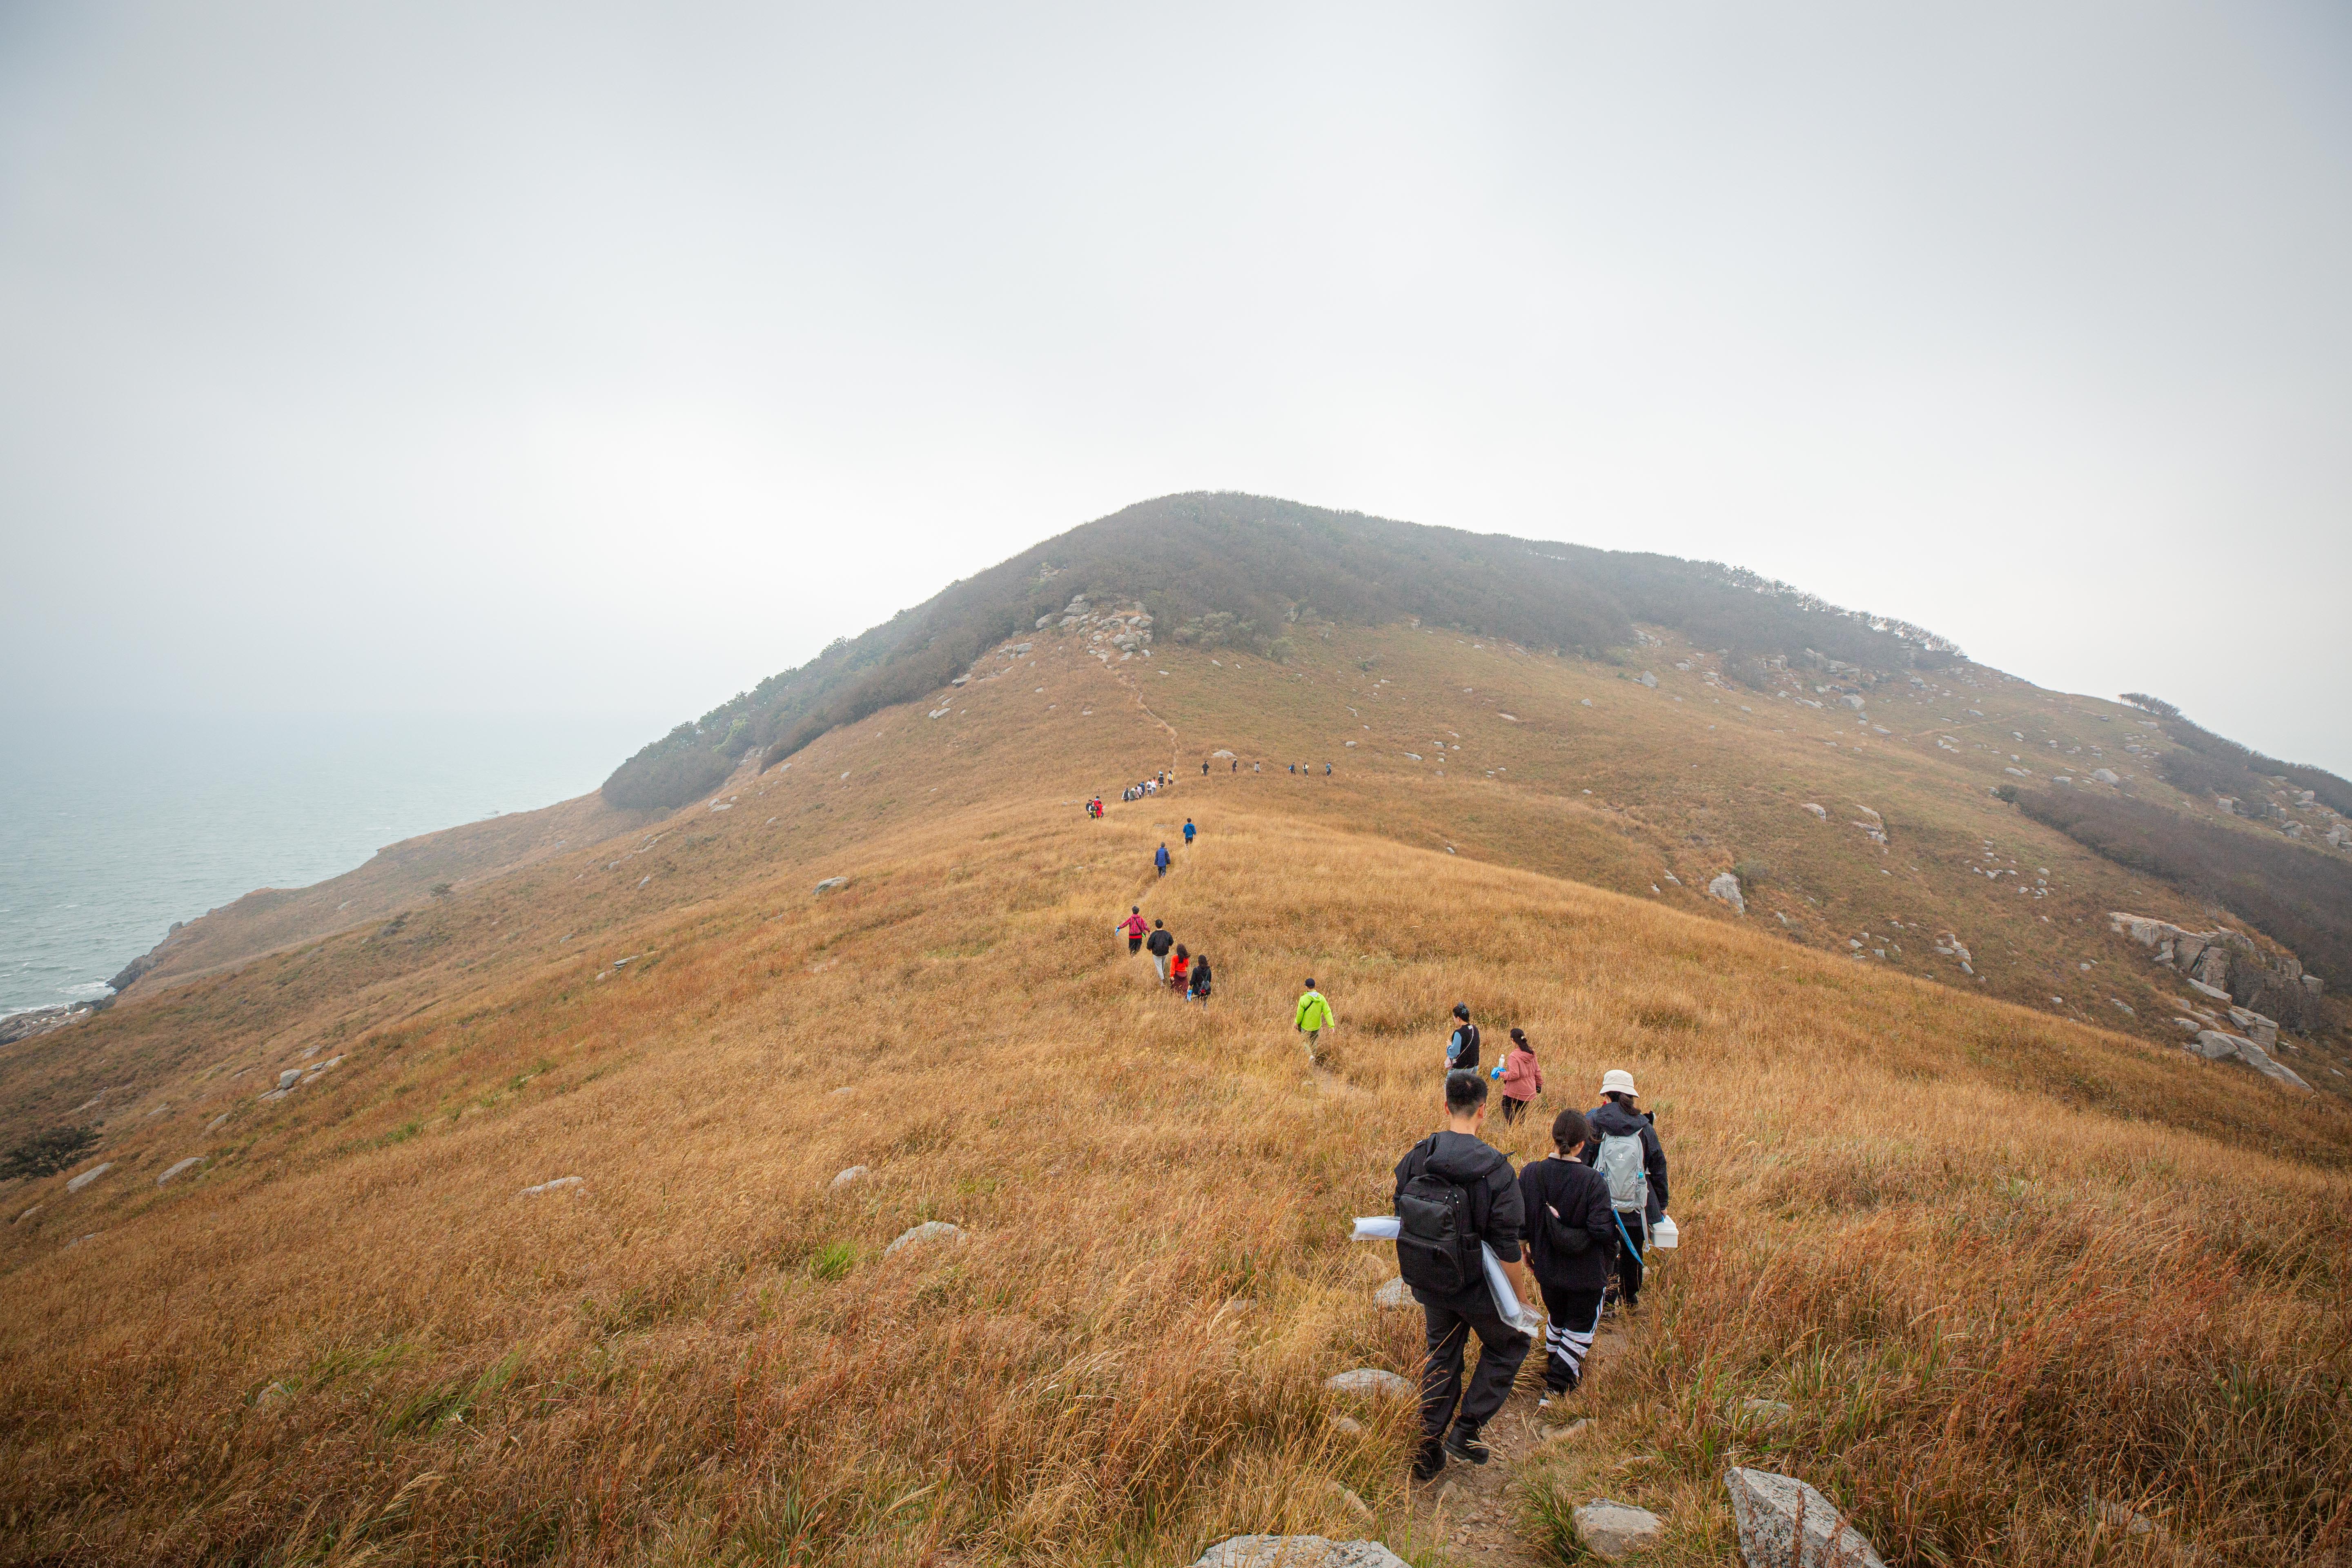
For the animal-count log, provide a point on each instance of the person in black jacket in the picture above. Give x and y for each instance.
(1460, 1157)
(1462, 1045)
(1161, 939)
(1617, 1116)
(1572, 1242)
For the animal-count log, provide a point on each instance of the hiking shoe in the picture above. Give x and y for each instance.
(1464, 1443)
(1428, 1462)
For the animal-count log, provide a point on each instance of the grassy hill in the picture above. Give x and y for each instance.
(1995, 1251)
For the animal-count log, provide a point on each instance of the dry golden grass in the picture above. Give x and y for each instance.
(1994, 1260)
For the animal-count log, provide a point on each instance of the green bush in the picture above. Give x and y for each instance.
(46, 1154)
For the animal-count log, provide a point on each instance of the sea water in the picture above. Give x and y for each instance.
(113, 826)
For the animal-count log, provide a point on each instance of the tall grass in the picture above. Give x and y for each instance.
(1993, 1261)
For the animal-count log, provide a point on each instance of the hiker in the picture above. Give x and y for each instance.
(1133, 927)
(1462, 1045)
(1237, 764)
(1204, 767)
(1454, 1191)
(1179, 970)
(1522, 1077)
(1572, 1241)
(1189, 831)
(1160, 859)
(1161, 940)
(1294, 767)
(1626, 1150)
(1312, 1017)
(1257, 767)
(1327, 770)
(1200, 980)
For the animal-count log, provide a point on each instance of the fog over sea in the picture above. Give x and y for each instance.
(114, 825)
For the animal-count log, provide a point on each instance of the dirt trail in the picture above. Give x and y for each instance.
(1470, 1509)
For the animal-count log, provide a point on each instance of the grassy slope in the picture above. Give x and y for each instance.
(1992, 1256)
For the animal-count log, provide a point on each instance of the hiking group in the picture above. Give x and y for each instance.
(1575, 1222)
(1177, 970)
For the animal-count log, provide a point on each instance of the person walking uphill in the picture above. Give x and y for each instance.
(1522, 1077)
(1454, 1191)
(1462, 1045)
(1134, 927)
(1312, 1017)
(1626, 1150)
(1161, 940)
(1160, 859)
(1572, 1242)
(1189, 831)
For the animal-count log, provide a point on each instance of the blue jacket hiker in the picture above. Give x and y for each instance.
(1160, 859)
(1188, 833)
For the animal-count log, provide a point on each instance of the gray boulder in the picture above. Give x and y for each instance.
(86, 1177)
(2105, 775)
(830, 883)
(1369, 1380)
(931, 1230)
(1726, 888)
(1647, 678)
(1614, 1530)
(851, 1174)
(1296, 1551)
(1395, 1293)
(1784, 1523)
(190, 1164)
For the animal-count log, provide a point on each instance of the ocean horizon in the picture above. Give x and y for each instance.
(110, 832)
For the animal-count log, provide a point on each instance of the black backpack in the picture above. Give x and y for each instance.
(1437, 1246)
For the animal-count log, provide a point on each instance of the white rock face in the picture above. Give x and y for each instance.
(190, 1164)
(1784, 1523)
(1395, 1293)
(1296, 1551)
(1614, 1530)
(1648, 679)
(931, 1230)
(86, 1177)
(556, 1186)
(1726, 888)
(286, 1078)
(1369, 1380)
(830, 883)
(2105, 775)
(851, 1174)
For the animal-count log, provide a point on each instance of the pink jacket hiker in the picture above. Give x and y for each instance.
(1522, 1077)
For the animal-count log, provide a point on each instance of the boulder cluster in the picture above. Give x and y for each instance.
(2219, 965)
(2227, 966)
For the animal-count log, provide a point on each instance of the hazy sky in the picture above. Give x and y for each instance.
(406, 356)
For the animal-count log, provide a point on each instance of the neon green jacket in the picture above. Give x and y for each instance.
(1314, 1013)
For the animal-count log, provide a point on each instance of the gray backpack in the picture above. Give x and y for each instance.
(1620, 1163)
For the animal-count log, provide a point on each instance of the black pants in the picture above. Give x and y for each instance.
(1575, 1318)
(1501, 1349)
(1134, 945)
(1512, 1109)
(1633, 1229)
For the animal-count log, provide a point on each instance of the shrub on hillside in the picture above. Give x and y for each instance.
(46, 1152)
(2300, 897)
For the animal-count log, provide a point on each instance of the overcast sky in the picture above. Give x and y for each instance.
(426, 357)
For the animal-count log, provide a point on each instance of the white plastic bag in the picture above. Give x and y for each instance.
(1507, 1306)
(1663, 1234)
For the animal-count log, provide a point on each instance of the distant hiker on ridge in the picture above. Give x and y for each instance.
(1626, 1150)
(1161, 940)
(1462, 1045)
(1160, 859)
(1454, 1191)
(1313, 1017)
(1134, 927)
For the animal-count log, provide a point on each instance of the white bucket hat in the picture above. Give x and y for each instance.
(1617, 1080)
